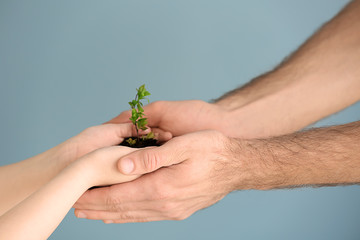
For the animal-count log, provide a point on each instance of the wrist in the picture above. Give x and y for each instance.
(259, 87)
(69, 151)
(61, 156)
(256, 166)
(51, 161)
(224, 121)
(231, 102)
(85, 169)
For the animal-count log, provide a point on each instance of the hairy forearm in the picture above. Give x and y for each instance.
(324, 156)
(320, 78)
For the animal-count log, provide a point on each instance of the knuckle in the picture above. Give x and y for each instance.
(156, 108)
(125, 114)
(168, 208)
(163, 192)
(157, 105)
(160, 196)
(112, 203)
(151, 161)
(217, 138)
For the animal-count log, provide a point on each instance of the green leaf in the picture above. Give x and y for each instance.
(142, 88)
(140, 109)
(140, 114)
(134, 113)
(137, 112)
(150, 135)
(142, 122)
(133, 120)
(133, 103)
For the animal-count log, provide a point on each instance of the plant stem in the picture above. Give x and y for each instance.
(136, 122)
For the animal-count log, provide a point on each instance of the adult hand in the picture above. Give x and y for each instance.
(198, 174)
(181, 117)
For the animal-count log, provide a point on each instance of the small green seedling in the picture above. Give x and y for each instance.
(137, 114)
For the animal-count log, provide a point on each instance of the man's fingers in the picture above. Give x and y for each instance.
(117, 196)
(124, 215)
(151, 159)
(145, 219)
(93, 199)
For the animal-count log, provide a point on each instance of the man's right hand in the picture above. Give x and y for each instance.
(196, 171)
(181, 117)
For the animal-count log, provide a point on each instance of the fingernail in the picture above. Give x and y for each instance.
(108, 221)
(127, 165)
(81, 215)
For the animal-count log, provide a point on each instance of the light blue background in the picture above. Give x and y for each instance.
(67, 65)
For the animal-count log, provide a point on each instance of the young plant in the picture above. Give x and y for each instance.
(137, 114)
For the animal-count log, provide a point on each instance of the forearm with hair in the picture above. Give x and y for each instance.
(320, 78)
(317, 157)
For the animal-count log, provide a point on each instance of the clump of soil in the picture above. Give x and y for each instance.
(141, 143)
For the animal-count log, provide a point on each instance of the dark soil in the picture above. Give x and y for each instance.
(140, 143)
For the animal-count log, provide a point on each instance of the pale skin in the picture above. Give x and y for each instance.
(38, 215)
(21, 179)
(319, 79)
(37, 193)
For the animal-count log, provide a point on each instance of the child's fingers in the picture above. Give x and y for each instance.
(161, 135)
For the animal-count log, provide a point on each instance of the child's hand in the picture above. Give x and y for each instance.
(96, 137)
(49, 204)
(101, 136)
(101, 168)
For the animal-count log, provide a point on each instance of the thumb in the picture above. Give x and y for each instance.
(149, 160)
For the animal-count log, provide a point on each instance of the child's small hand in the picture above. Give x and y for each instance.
(101, 136)
(101, 166)
(96, 137)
